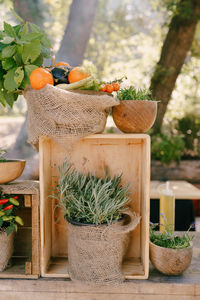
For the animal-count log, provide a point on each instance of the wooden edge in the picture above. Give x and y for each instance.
(35, 236)
(27, 201)
(28, 268)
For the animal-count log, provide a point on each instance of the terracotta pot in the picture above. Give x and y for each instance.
(6, 248)
(170, 261)
(135, 116)
(10, 170)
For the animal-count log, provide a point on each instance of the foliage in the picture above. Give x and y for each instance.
(8, 217)
(131, 93)
(167, 239)
(189, 128)
(2, 152)
(22, 49)
(90, 199)
(167, 148)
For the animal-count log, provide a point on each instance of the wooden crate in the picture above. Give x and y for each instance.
(25, 260)
(128, 154)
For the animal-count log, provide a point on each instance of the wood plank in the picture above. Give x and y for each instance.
(182, 189)
(28, 268)
(35, 235)
(27, 201)
(22, 187)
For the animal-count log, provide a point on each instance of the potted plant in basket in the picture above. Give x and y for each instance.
(170, 254)
(10, 169)
(8, 224)
(97, 235)
(136, 112)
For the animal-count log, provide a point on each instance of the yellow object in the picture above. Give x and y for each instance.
(167, 209)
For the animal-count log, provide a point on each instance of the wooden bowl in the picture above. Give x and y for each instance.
(170, 261)
(135, 116)
(10, 170)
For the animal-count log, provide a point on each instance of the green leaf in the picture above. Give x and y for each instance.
(19, 76)
(2, 46)
(7, 40)
(31, 51)
(17, 28)
(8, 63)
(10, 98)
(39, 61)
(8, 51)
(10, 229)
(1, 222)
(24, 30)
(9, 30)
(46, 41)
(30, 68)
(3, 102)
(31, 36)
(1, 34)
(45, 51)
(35, 28)
(9, 82)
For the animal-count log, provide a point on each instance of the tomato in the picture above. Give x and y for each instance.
(116, 86)
(109, 88)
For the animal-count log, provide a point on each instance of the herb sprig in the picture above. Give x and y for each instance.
(131, 93)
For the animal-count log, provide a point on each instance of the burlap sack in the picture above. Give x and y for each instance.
(6, 248)
(95, 253)
(65, 116)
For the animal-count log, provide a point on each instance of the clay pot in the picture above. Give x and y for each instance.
(170, 261)
(135, 116)
(10, 170)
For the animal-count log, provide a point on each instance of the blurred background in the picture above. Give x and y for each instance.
(155, 43)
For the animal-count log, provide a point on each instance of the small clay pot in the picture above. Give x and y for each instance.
(170, 261)
(135, 116)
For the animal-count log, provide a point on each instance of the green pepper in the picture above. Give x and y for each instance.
(2, 213)
(14, 201)
(7, 218)
(19, 220)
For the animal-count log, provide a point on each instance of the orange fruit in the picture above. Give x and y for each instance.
(39, 78)
(109, 88)
(61, 63)
(103, 89)
(76, 74)
(116, 86)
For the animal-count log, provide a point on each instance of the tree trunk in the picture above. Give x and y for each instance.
(174, 52)
(28, 10)
(77, 32)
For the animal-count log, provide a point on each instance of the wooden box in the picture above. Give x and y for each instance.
(25, 260)
(128, 154)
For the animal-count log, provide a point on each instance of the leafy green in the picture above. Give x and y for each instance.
(131, 93)
(22, 49)
(169, 239)
(90, 199)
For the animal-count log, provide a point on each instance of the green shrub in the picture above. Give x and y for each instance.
(167, 148)
(89, 199)
(131, 93)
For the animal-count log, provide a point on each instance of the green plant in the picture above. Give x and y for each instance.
(8, 218)
(90, 199)
(189, 128)
(168, 239)
(2, 153)
(22, 49)
(167, 148)
(131, 93)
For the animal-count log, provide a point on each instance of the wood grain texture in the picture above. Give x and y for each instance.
(135, 116)
(127, 154)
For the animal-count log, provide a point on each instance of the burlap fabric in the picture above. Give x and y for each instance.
(65, 116)
(6, 248)
(95, 253)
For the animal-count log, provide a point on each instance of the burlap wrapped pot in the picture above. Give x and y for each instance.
(95, 252)
(6, 248)
(65, 116)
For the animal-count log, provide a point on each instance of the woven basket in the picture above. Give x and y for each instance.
(95, 252)
(6, 248)
(170, 261)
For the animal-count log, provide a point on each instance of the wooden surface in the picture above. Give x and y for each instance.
(26, 256)
(128, 154)
(157, 287)
(182, 190)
